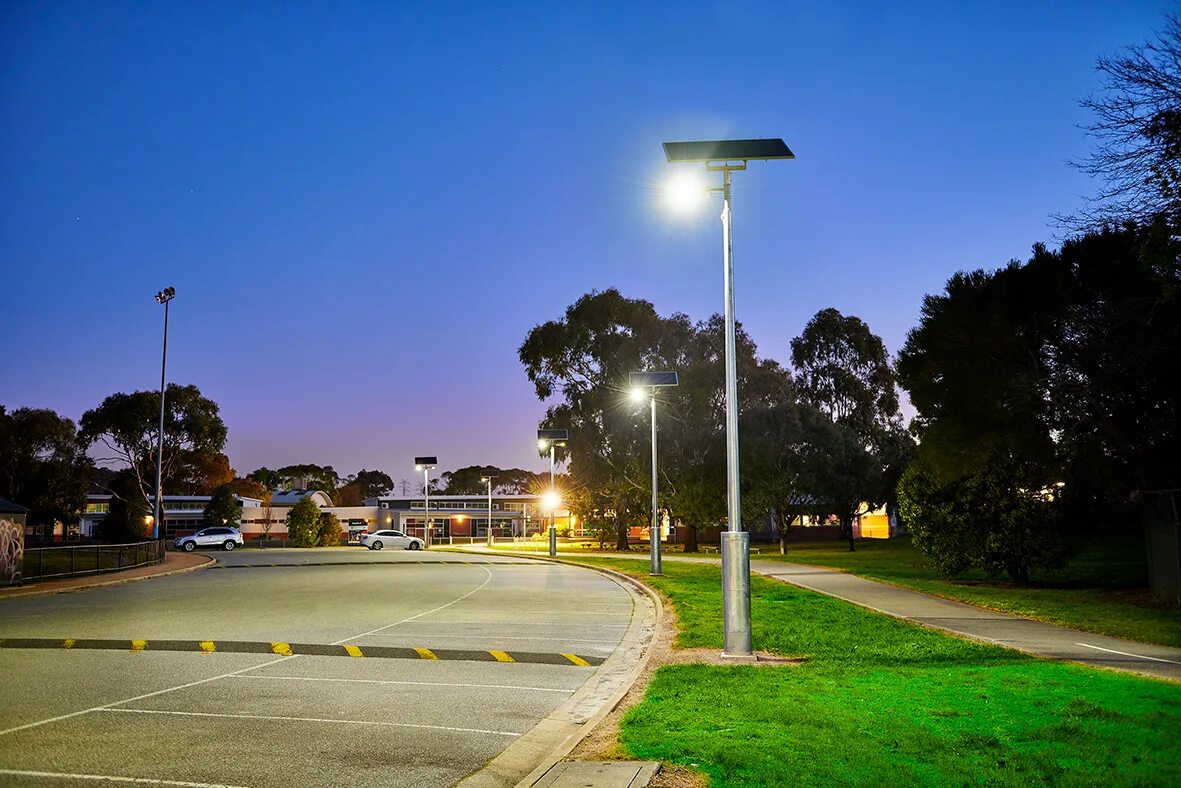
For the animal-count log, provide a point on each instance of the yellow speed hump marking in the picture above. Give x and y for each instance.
(426, 653)
(207, 646)
(283, 649)
(68, 643)
(501, 656)
(354, 651)
(577, 660)
(139, 645)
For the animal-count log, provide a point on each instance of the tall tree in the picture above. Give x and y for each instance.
(309, 477)
(1137, 135)
(42, 466)
(268, 478)
(126, 426)
(843, 370)
(223, 508)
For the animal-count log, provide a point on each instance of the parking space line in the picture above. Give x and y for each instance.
(465, 685)
(278, 718)
(285, 649)
(113, 778)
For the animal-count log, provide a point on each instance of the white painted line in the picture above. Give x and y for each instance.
(1127, 654)
(106, 706)
(407, 683)
(112, 778)
(351, 638)
(512, 637)
(307, 719)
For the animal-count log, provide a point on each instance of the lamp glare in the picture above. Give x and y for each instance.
(637, 395)
(684, 192)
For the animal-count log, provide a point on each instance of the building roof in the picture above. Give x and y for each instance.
(444, 498)
(292, 497)
(244, 501)
(8, 507)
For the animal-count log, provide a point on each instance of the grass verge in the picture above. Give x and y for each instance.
(885, 702)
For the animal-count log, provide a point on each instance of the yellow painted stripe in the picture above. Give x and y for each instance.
(207, 647)
(283, 649)
(68, 643)
(426, 653)
(139, 645)
(501, 656)
(354, 651)
(577, 660)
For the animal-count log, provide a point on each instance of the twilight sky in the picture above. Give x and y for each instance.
(364, 207)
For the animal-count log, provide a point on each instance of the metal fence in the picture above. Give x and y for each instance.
(48, 563)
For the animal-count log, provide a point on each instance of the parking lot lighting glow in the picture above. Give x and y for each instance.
(685, 192)
(551, 500)
(637, 395)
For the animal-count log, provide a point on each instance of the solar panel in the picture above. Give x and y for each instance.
(642, 379)
(727, 150)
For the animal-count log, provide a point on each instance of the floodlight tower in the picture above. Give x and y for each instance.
(727, 156)
(164, 297)
(640, 382)
(551, 439)
(426, 465)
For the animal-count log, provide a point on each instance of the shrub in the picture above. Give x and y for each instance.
(329, 530)
(303, 523)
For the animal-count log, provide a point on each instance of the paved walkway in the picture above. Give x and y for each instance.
(174, 563)
(1005, 629)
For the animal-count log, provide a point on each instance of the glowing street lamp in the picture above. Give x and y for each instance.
(164, 297)
(488, 478)
(426, 465)
(641, 382)
(550, 439)
(727, 156)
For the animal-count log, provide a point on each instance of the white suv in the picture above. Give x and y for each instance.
(225, 538)
(380, 539)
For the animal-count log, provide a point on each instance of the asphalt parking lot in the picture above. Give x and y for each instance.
(416, 668)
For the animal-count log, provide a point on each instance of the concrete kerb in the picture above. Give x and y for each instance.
(69, 584)
(557, 735)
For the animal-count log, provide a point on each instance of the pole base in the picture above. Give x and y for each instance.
(736, 594)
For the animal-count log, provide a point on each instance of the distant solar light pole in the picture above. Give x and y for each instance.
(164, 297)
(426, 465)
(640, 382)
(488, 478)
(727, 156)
(551, 439)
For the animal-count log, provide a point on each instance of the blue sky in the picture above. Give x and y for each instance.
(364, 207)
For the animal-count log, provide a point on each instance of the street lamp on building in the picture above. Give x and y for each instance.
(488, 478)
(644, 384)
(551, 439)
(164, 297)
(426, 465)
(727, 156)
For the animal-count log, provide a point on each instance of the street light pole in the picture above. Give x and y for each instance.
(552, 439)
(726, 156)
(488, 477)
(640, 382)
(426, 464)
(164, 297)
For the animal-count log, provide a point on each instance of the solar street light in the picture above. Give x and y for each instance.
(640, 382)
(488, 478)
(551, 439)
(164, 297)
(726, 157)
(426, 465)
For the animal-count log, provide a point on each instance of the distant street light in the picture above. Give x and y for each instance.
(551, 439)
(727, 156)
(488, 478)
(640, 383)
(164, 297)
(426, 465)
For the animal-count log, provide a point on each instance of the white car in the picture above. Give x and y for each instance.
(225, 538)
(380, 539)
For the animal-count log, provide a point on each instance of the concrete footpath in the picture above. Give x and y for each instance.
(1004, 629)
(174, 563)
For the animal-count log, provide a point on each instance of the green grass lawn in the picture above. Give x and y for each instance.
(1103, 590)
(884, 702)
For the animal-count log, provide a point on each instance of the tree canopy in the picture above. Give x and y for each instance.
(42, 467)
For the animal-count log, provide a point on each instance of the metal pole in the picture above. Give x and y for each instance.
(735, 541)
(654, 531)
(426, 506)
(553, 531)
(490, 542)
(157, 522)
